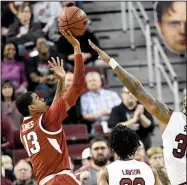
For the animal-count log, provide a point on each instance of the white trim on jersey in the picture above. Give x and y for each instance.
(26, 118)
(48, 132)
(67, 172)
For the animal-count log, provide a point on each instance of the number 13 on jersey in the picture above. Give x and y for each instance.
(35, 148)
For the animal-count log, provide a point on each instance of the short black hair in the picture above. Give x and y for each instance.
(22, 103)
(23, 6)
(10, 84)
(123, 141)
(98, 139)
(162, 7)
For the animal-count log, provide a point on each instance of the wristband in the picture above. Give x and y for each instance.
(113, 63)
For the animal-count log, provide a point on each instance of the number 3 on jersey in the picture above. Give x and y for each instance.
(34, 141)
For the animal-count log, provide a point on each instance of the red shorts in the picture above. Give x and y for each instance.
(63, 179)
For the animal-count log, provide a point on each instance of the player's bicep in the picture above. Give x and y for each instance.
(56, 112)
(158, 109)
(102, 177)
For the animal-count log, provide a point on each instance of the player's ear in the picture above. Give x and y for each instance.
(31, 108)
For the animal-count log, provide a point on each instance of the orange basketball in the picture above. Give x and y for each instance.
(73, 19)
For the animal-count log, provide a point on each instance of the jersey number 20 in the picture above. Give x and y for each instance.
(35, 144)
(181, 149)
(136, 181)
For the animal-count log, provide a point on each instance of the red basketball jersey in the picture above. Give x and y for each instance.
(47, 150)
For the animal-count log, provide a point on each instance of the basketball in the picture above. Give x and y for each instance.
(73, 19)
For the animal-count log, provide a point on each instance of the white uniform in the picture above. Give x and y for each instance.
(175, 143)
(129, 173)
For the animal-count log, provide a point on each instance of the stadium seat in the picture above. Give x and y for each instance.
(76, 132)
(75, 150)
(99, 130)
(19, 154)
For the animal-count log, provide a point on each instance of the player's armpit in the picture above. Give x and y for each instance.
(102, 177)
(158, 109)
(157, 180)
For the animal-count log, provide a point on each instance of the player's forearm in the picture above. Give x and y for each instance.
(72, 94)
(145, 122)
(60, 90)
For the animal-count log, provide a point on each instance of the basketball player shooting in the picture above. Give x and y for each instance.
(174, 132)
(41, 131)
(125, 170)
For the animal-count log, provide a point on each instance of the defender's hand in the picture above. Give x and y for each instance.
(72, 40)
(101, 53)
(57, 68)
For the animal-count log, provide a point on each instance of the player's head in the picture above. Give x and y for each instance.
(123, 141)
(128, 98)
(99, 151)
(29, 103)
(23, 171)
(93, 81)
(185, 105)
(171, 17)
(155, 156)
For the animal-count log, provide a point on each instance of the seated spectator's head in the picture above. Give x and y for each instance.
(7, 91)
(40, 40)
(123, 141)
(155, 156)
(140, 153)
(86, 157)
(99, 151)
(24, 13)
(9, 51)
(93, 81)
(128, 98)
(29, 103)
(171, 22)
(6, 162)
(43, 50)
(23, 171)
(68, 80)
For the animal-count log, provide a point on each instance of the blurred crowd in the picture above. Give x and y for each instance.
(30, 37)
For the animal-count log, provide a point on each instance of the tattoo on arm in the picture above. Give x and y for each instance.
(156, 108)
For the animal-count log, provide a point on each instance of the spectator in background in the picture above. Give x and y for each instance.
(4, 180)
(86, 161)
(156, 161)
(140, 153)
(171, 23)
(133, 115)
(13, 70)
(100, 158)
(37, 69)
(23, 30)
(23, 173)
(45, 13)
(8, 107)
(155, 157)
(89, 55)
(97, 103)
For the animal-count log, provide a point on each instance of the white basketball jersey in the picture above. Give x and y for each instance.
(130, 172)
(175, 143)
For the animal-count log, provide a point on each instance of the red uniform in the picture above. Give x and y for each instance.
(45, 142)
